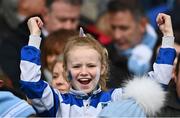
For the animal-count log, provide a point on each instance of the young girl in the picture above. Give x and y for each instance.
(85, 65)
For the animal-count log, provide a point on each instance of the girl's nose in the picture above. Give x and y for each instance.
(84, 71)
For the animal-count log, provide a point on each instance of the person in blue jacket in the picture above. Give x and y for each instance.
(86, 67)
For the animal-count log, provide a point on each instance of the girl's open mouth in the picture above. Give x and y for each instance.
(84, 81)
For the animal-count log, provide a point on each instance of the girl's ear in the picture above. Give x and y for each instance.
(103, 68)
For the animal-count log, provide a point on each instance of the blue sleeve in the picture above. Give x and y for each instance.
(43, 97)
(163, 66)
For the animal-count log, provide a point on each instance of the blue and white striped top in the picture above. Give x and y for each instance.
(50, 102)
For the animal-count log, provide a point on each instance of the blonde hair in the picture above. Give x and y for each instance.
(93, 43)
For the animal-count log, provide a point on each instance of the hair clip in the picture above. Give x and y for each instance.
(81, 32)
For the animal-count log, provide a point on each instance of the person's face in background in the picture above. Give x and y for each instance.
(62, 15)
(58, 80)
(32, 7)
(126, 31)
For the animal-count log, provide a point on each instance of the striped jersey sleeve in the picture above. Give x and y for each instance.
(163, 65)
(162, 68)
(43, 97)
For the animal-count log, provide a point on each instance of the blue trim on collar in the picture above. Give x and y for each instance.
(101, 97)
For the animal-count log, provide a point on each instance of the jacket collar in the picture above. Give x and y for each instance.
(81, 94)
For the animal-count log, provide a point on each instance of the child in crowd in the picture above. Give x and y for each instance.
(86, 67)
(58, 80)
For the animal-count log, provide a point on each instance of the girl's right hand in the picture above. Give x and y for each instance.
(34, 25)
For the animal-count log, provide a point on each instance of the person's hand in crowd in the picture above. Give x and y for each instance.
(165, 25)
(35, 24)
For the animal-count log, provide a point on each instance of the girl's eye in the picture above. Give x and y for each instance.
(76, 66)
(91, 66)
(55, 76)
